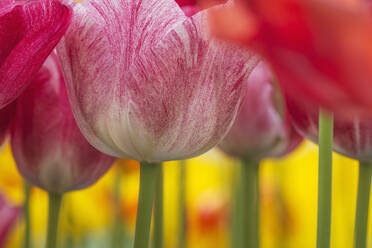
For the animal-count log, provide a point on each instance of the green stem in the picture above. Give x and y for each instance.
(325, 179)
(117, 229)
(148, 176)
(182, 242)
(237, 224)
(361, 218)
(250, 203)
(26, 216)
(158, 211)
(55, 200)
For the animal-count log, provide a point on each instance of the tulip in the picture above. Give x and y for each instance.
(148, 83)
(352, 138)
(320, 50)
(164, 92)
(29, 31)
(8, 217)
(47, 145)
(262, 128)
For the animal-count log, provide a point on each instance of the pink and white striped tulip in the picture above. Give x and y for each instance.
(147, 82)
(8, 217)
(352, 137)
(29, 31)
(262, 128)
(47, 145)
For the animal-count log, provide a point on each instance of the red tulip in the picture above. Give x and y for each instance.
(47, 145)
(262, 128)
(8, 217)
(320, 49)
(157, 88)
(352, 136)
(29, 30)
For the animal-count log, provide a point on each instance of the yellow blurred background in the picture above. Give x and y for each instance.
(288, 191)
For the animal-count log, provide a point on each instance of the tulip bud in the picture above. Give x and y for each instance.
(151, 88)
(8, 217)
(47, 145)
(29, 30)
(262, 128)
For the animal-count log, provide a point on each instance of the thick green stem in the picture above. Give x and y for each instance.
(158, 212)
(250, 203)
(148, 176)
(182, 242)
(55, 200)
(325, 179)
(26, 216)
(361, 218)
(117, 234)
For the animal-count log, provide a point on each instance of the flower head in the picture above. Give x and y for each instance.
(147, 82)
(47, 145)
(319, 49)
(262, 128)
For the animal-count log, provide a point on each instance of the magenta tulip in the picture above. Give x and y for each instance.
(29, 31)
(262, 128)
(147, 82)
(47, 145)
(8, 217)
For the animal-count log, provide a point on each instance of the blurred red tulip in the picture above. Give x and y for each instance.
(29, 30)
(8, 217)
(352, 136)
(47, 145)
(320, 49)
(262, 128)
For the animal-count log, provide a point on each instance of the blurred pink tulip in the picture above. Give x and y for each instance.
(262, 128)
(29, 30)
(148, 83)
(47, 145)
(352, 136)
(8, 217)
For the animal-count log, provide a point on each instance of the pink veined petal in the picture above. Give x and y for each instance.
(200, 83)
(98, 49)
(29, 30)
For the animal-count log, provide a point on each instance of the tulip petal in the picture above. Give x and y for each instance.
(29, 31)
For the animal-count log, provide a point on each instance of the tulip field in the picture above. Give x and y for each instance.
(185, 123)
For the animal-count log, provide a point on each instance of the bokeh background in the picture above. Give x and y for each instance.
(288, 191)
